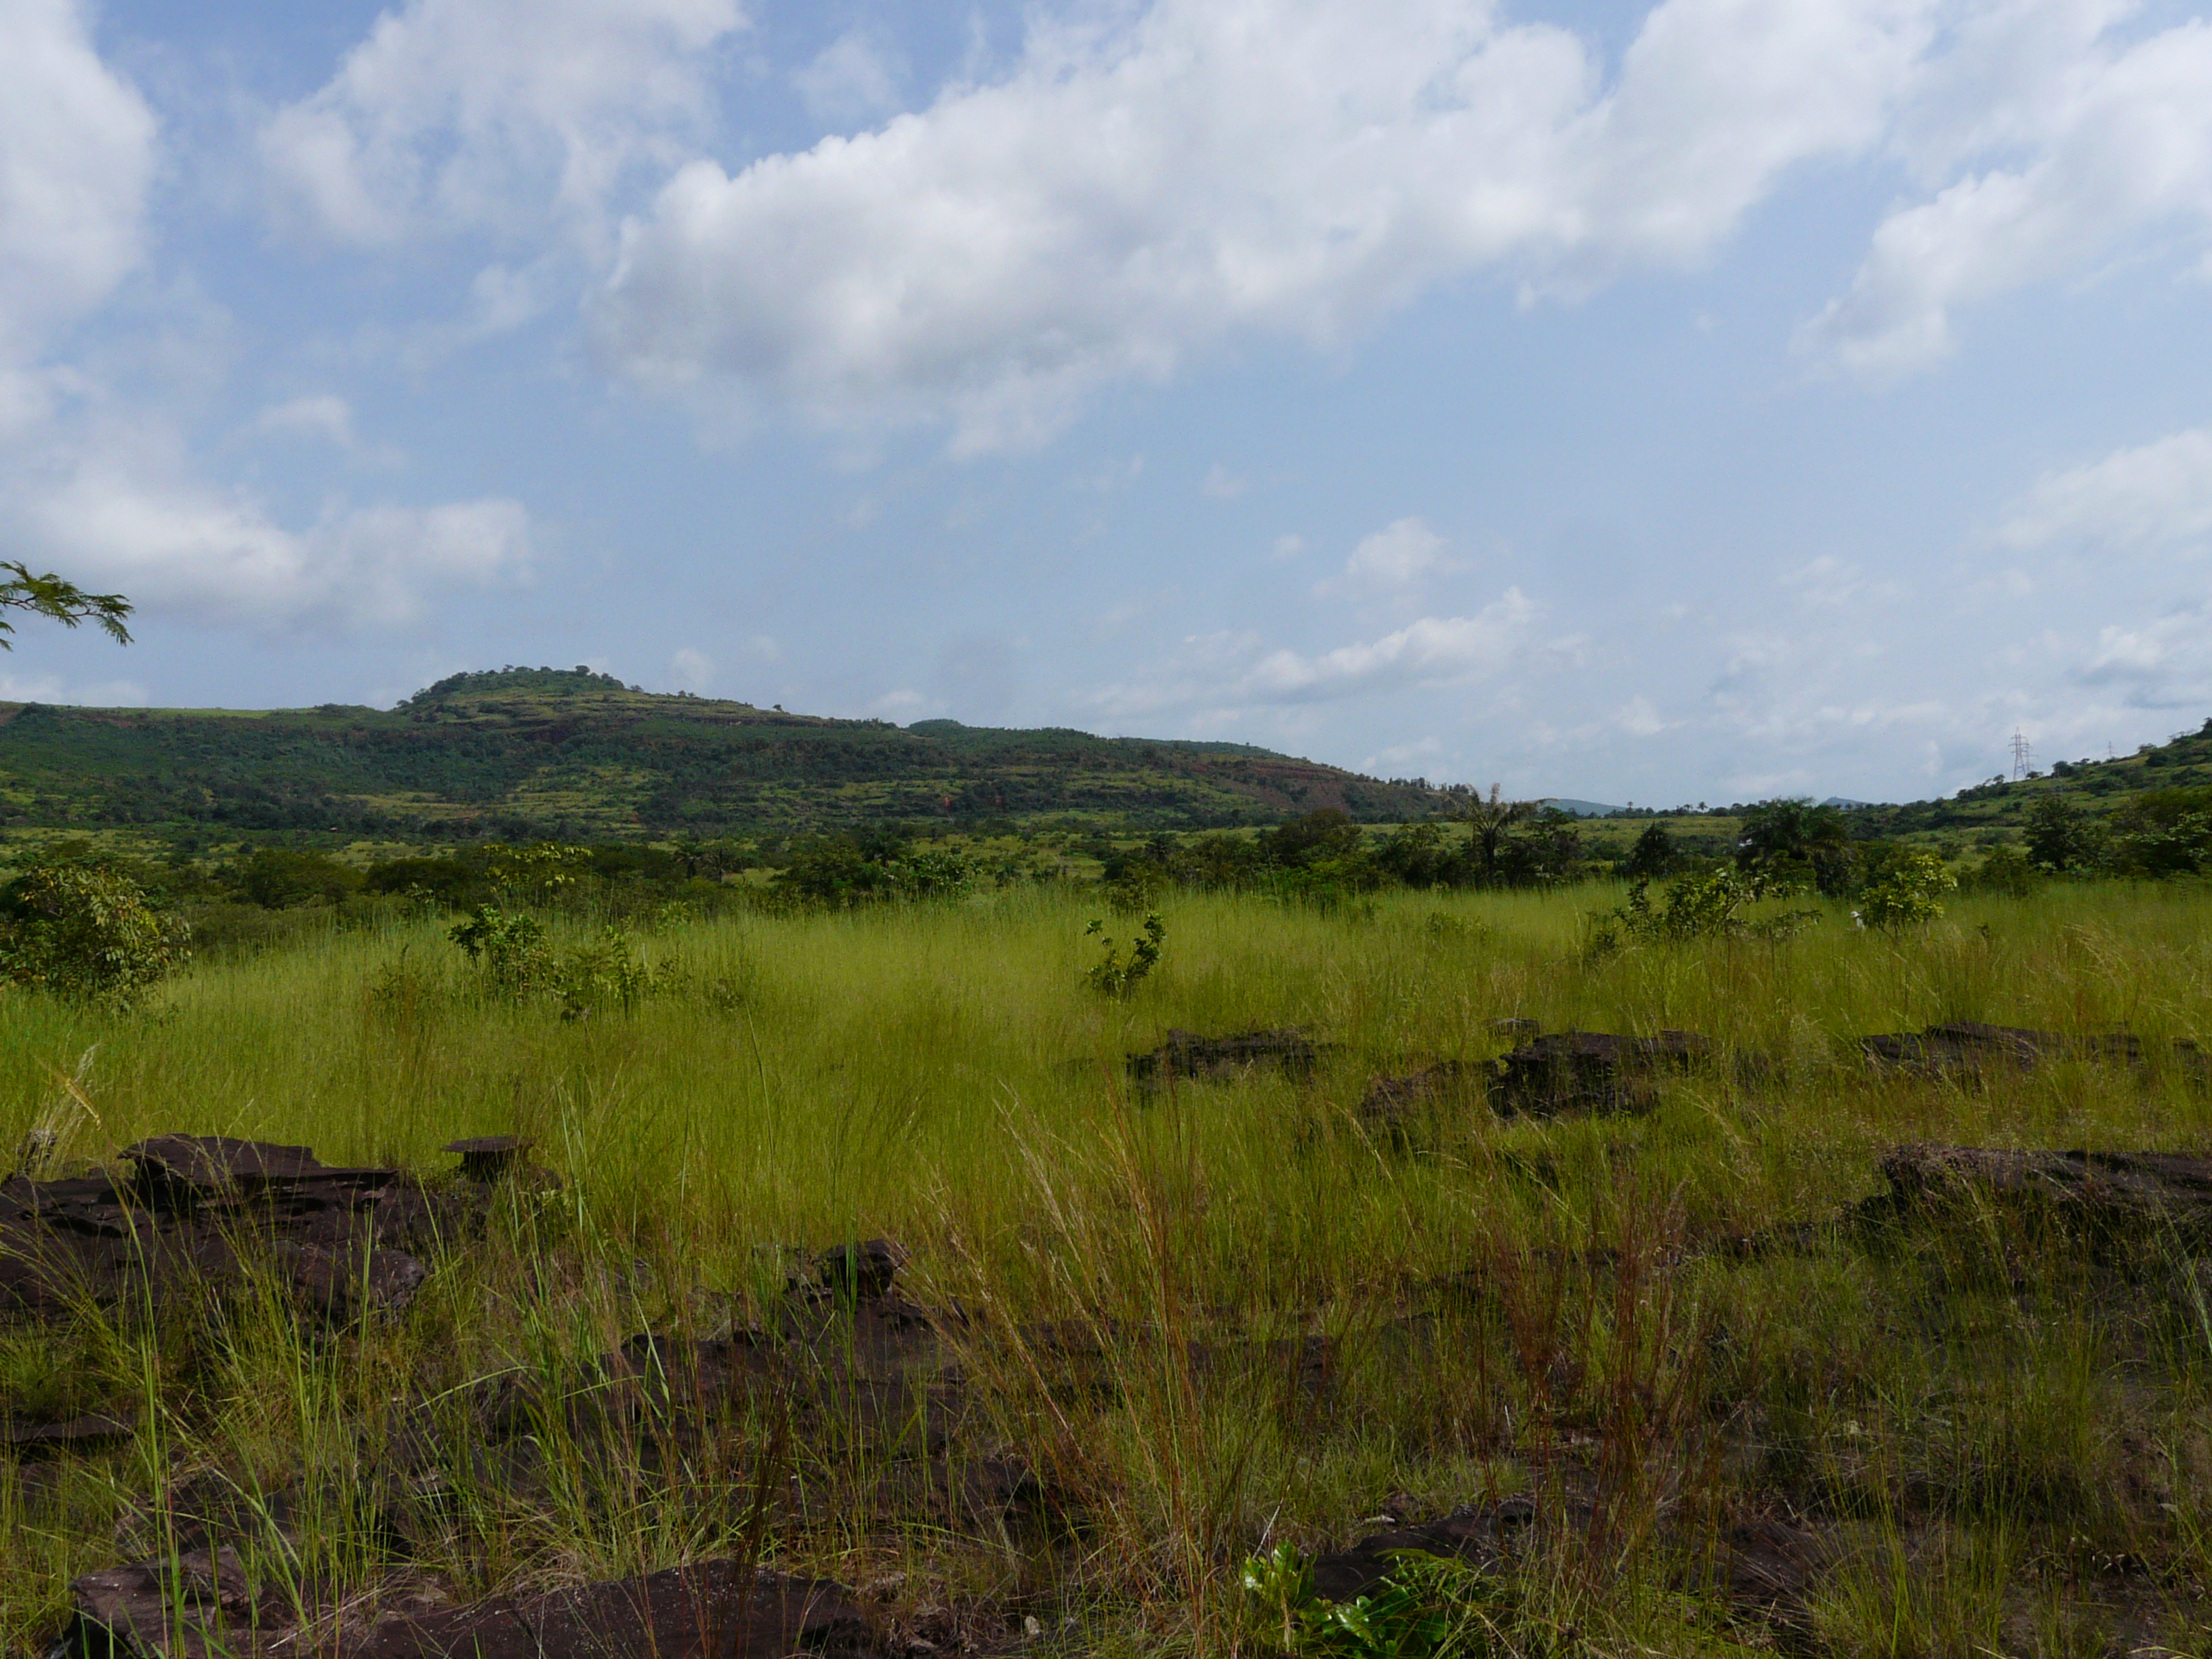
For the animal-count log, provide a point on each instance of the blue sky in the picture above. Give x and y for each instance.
(1700, 401)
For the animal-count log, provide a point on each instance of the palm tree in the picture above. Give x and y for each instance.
(1488, 821)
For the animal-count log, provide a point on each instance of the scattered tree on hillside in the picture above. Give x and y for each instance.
(2061, 835)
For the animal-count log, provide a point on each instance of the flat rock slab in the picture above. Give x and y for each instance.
(1222, 1059)
(1968, 1049)
(182, 1211)
(701, 1612)
(192, 1605)
(198, 1606)
(91, 1429)
(1392, 1102)
(2111, 1195)
(1589, 1071)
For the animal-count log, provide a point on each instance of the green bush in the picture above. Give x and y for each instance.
(86, 931)
(1706, 905)
(511, 948)
(276, 877)
(2163, 832)
(1908, 891)
(2061, 835)
(2006, 869)
(1116, 976)
(519, 960)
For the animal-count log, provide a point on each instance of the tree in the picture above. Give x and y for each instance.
(1909, 891)
(275, 877)
(1654, 854)
(1327, 834)
(1795, 841)
(86, 931)
(49, 596)
(2163, 832)
(1487, 821)
(2060, 835)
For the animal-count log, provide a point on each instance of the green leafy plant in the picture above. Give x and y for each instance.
(2060, 835)
(2004, 869)
(1704, 906)
(1426, 1607)
(1115, 974)
(606, 969)
(537, 872)
(519, 960)
(86, 931)
(1908, 891)
(511, 947)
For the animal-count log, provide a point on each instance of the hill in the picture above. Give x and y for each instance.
(2182, 762)
(524, 753)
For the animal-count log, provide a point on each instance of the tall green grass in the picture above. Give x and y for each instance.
(1549, 1306)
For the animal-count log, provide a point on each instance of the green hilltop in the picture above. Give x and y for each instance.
(569, 754)
(2098, 786)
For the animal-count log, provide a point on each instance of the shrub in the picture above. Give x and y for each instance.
(1707, 905)
(275, 878)
(511, 946)
(1115, 975)
(86, 931)
(2061, 836)
(2163, 832)
(2004, 869)
(1907, 892)
(519, 960)
(848, 870)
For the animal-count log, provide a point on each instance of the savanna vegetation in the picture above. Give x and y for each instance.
(524, 754)
(1192, 1333)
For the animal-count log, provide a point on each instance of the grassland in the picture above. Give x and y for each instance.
(1995, 1442)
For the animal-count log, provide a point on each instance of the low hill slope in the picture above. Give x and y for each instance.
(2097, 786)
(523, 753)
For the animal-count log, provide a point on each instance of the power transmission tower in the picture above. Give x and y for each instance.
(2023, 756)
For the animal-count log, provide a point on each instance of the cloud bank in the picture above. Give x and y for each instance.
(1132, 192)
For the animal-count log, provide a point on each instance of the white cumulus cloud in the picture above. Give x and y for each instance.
(1223, 675)
(125, 516)
(500, 114)
(77, 152)
(1135, 190)
(2157, 495)
(857, 75)
(2053, 139)
(1400, 555)
(693, 668)
(1433, 651)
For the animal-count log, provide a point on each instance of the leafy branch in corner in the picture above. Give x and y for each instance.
(60, 601)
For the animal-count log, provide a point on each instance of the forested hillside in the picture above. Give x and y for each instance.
(568, 754)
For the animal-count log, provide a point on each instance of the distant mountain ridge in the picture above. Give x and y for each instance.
(523, 753)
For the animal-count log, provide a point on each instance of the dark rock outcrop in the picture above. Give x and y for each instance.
(1589, 1071)
(180, 1211)
(199, 1606)
(2107, 1196)
(1218, 1059)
